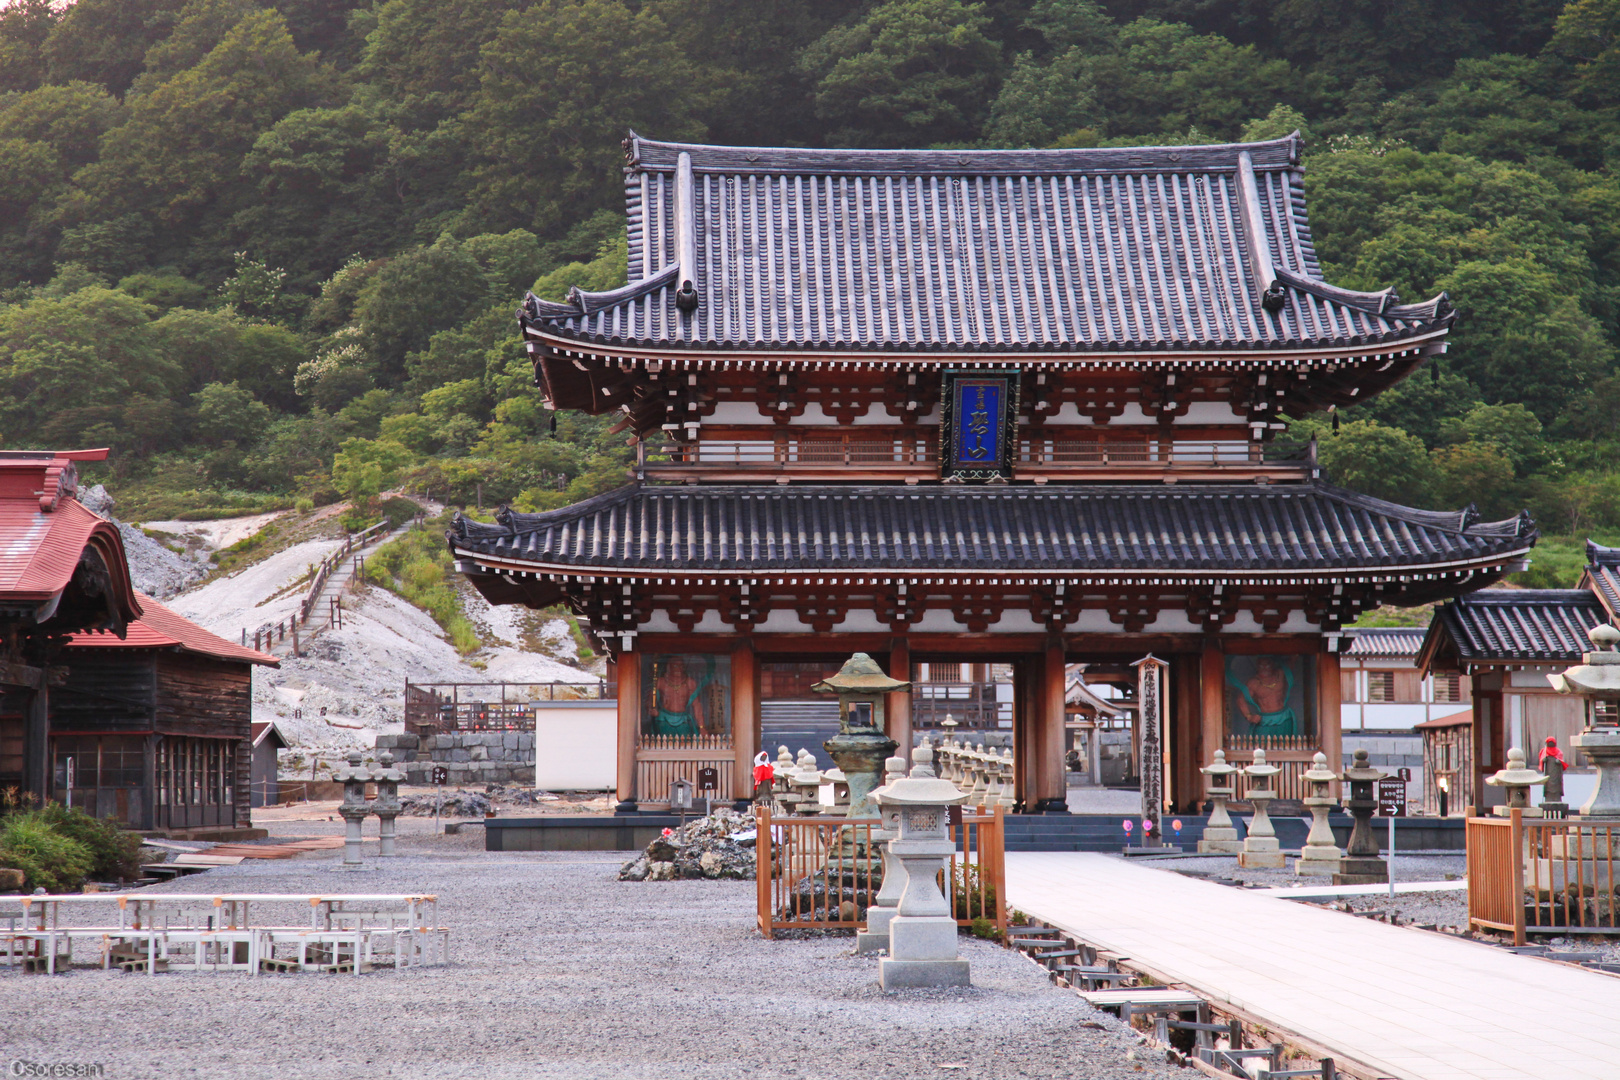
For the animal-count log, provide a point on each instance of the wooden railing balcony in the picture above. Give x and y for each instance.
(914, 456)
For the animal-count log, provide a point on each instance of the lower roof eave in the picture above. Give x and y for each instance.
(493, 565)
(1124, 353)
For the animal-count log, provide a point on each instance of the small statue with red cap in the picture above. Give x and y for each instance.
(764, 774)
(1552, 764)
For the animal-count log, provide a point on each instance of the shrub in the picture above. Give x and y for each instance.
(117, 853)
(48, 859)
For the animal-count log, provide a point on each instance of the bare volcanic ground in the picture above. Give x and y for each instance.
(559, 970)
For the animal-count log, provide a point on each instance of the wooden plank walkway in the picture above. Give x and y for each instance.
(1416, 1005)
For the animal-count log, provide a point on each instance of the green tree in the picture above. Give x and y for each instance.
(227, 413)
(1378, 460)
(24, 27)
(1475, 473)
(105, 41)
(561, 84)
(364, 468)
(179, 154)
(415, 296)
(910, 73)
(1511, 430)
(1040, 102)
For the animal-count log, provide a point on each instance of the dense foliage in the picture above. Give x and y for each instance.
(59, 848)
(270, 251)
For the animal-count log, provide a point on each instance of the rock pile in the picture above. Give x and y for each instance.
(718, 846)
(457, 804)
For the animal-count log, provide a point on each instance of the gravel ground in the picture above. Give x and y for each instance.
(559, 970)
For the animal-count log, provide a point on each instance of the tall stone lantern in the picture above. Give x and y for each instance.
(1361, 864)
(1220, 835)
(1597, 679)
(354, 776)
(387, 805)
(1321, 854)
(922, 934)
(860, 747)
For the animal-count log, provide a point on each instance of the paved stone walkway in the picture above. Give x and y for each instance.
(1416, 1005)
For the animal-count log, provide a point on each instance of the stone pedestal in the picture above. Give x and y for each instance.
(1320, 856)
(1602, 745)
(1260, 848)
(860, 755)
(1220, 835)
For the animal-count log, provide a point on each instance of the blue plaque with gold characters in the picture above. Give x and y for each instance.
(976, 433)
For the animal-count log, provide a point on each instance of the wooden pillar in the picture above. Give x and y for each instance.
(744, 715)
(37, 742)
(1213, 693)
(1329, 721)
(627, 666)
(897, 706)
(1026, 684)
(1049, 773)
(1187, 735)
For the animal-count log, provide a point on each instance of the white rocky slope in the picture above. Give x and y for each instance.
(357, 673)
(156, 570)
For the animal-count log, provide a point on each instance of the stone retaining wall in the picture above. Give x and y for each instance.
(470, 757)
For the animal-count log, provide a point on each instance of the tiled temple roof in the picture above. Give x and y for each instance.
(1075, 528)
(1385, 642)
(1514, 626)
(981, 251)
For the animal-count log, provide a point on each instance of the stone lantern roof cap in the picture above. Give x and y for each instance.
(1220, 767)
(1319, 772)
(1515, 774)
(920, 791)
(860, 675)
(1598, 675)
(1361, 770)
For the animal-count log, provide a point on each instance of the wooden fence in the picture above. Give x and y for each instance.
(815, 873)
(1542, 876)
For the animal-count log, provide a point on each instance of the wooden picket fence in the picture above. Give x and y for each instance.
(821, 873)
(1542, 876)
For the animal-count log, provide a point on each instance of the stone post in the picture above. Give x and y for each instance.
(1260, 847)
(354, 807)
(1009, 788)
(1361, 864)
(1220, 835)
(387, 805)
(876, 935)
(1320, 855)
(922, 934)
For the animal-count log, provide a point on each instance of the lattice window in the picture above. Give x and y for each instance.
(1448, 688)
(1380, 686)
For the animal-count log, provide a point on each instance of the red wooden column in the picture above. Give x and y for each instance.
(628, 667)
(1213, 692)
(744, 715)
(1049, 774)
(897, 706)
(1329, 723)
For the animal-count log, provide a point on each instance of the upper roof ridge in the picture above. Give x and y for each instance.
(650, 155)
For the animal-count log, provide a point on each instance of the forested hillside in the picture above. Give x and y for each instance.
(271, 252)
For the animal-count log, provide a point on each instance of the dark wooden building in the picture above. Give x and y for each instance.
(157, 725)
(972, 406)
(62, 570)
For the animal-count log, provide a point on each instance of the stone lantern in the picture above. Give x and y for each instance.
(1516, 780)
(1009, 796)
(1220, 836)
(1361, 864)
(1597, 679)
(876, 935)
(354, 776)
(860, 746)
(922, 934)
(1320, 855)
(806, 783)
(386, 806)
(1260, 848)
